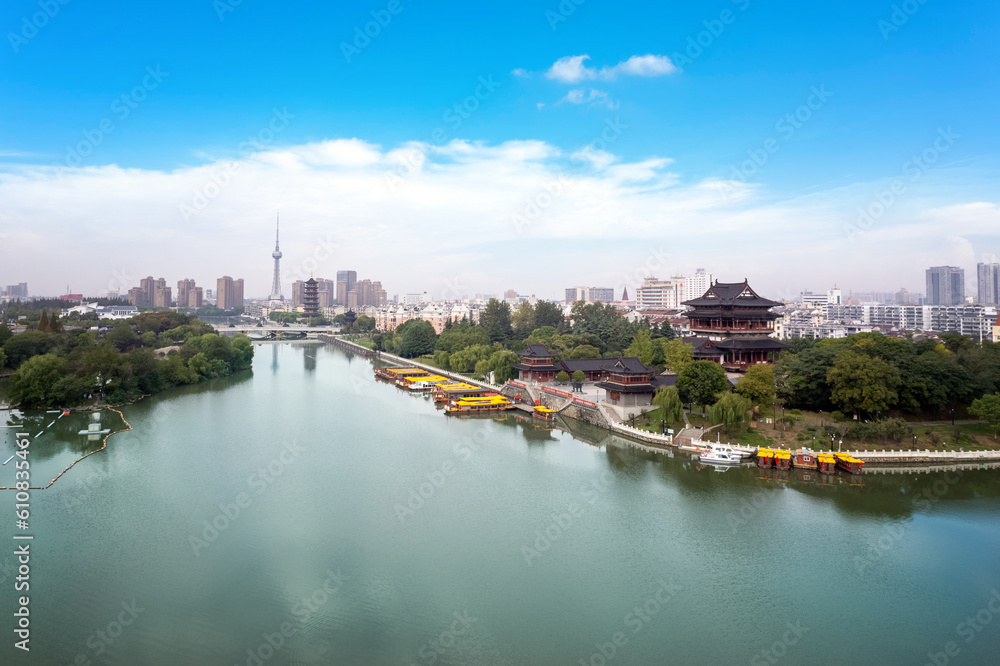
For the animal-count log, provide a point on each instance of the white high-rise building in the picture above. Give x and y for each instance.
(696, 285)
(655, 293)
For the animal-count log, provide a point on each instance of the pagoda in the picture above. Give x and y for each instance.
(310, 298)
(732, 325)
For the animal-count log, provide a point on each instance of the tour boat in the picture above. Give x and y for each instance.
(765, 457)
(496, 403)
(544, 413)
(720, 458)
(446, 392)
(804, 458)
(849, 463)
(827, 463)
(782, 459)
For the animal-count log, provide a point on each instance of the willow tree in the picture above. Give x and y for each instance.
(669, 400)
(732, 410)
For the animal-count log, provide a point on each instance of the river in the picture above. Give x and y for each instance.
(305, 513)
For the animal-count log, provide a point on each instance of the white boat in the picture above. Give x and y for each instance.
(720, 458)
(729, 449)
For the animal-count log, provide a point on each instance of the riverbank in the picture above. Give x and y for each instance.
(601, 415)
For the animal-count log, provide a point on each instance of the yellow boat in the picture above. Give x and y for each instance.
(544, 413)
(495, 403)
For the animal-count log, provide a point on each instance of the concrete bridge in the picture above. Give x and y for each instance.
(276, 328)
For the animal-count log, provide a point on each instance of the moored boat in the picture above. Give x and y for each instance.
(444, 392)
(765, 457)
(827, 463)
(495, 403)
(720, 458)
(544, 413)
(782, 459)
(849, 463)
(804, 458)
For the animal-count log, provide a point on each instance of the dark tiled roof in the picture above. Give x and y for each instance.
(751, 343)
(626, 388)
(537, 351)
(731, 294)
(629, 365)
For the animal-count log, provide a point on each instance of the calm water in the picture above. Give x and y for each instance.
(372, 529)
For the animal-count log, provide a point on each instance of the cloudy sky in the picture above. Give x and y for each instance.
(453, 148)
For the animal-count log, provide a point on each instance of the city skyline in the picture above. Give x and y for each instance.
(594, 141)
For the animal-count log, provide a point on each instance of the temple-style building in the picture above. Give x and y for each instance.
(536, 364)
(629, 383)
(732, 325)
(310, 298)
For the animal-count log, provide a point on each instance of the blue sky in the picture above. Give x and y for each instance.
(687, 94)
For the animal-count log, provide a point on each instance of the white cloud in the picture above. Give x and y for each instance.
(417, 215)
(595, 97)
(572, 69)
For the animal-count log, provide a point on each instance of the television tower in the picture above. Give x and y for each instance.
(276, 285)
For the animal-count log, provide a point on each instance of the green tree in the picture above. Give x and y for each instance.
(757, 384)
(523, 320)
(669, 400)
(562, 376)
(732, 411)
(418, 339)
(3, 358)
(642, 347)
(987, 408)
(584, 351)
(547, 314)
(43, 323)
(862, 383)
(700, 382)
(502, 364)
(5, 334)
(579, 376)
(37, 383)
(495, 320)
(676, 353)
(122, 336)
(23, 346)
(465, 360)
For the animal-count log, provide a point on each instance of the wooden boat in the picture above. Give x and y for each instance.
(421, 382)
(765, 458)
(804, 458)
(827, 463)
(782, 459)
(544, 413)
(495, 403)
(456, 390)
(392, 374)
(849, 463)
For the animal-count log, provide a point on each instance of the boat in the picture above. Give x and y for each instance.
(765, 458)
(456, 390)
(495, 403)
(827, 463)
(782, 459)
(421, 382)
(544, 413)
(728, 448)
(720, 458)
(849, 463)
(804, 458)
(392, 374)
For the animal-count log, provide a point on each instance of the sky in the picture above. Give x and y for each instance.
(462, 148)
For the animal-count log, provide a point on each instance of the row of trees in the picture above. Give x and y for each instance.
(60, 368)
(491, 345)
(870, 375)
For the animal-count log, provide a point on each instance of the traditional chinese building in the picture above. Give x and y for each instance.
(629, 383)
(310, 298)
(536, 364)
(731, 324)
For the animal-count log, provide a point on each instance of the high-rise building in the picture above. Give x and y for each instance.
(196, 298)
(655, 293)
(162, 297)
(945, 285)
(276, 281)
(148, 286)
(184, 289)
(590, 294)
(136, 296)
(19, 290)
(696, 285)
(345, 283)
(229, 293)
(988, 283)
